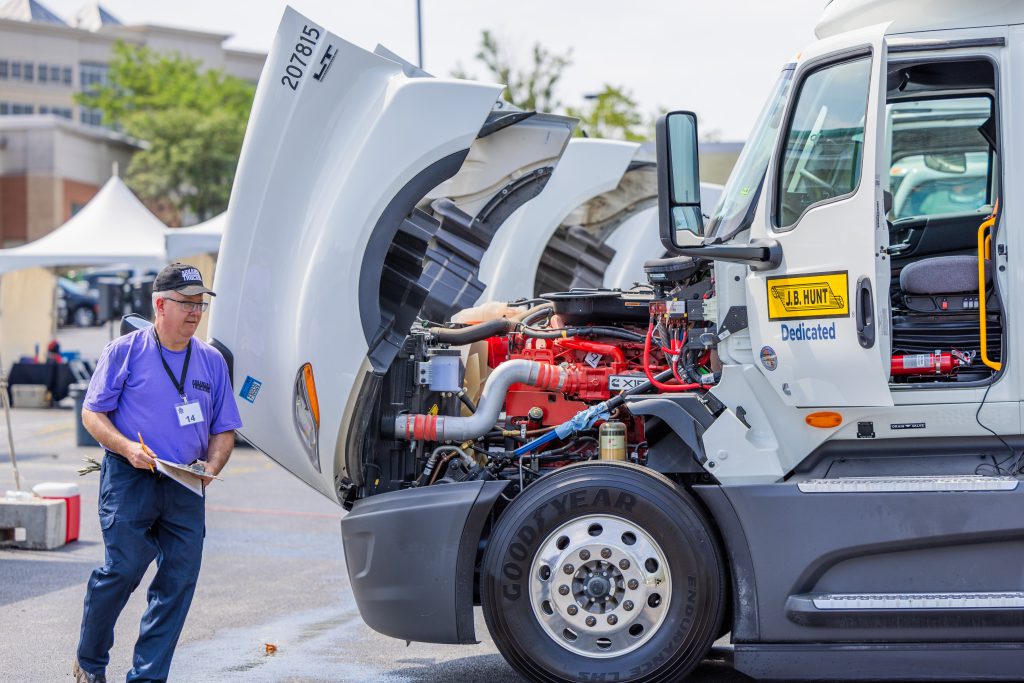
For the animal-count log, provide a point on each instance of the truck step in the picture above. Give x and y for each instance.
(908, 484)
(873, 601)
(927, 611)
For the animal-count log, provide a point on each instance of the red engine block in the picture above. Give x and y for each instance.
(590, 364)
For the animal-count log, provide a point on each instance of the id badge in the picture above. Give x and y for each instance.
(189, 413)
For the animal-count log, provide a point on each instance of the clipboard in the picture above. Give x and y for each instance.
(189, 477)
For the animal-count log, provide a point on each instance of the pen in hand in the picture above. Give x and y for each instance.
(146, 448)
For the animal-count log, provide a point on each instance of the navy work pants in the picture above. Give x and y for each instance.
(144, 516)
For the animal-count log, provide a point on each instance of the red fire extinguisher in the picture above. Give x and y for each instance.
(937, 363)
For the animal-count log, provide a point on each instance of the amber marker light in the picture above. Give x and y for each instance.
(314, 403)
(824, 420)
(307, 413)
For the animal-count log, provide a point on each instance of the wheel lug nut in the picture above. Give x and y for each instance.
(584, 555)
(628, 606)
(624, 565)
(606, 553)
(563, 590)
(612, 619)
(568, 569)
(572, 610)
(591, 621)
(633, 584)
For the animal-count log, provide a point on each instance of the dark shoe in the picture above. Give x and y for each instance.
(83, 676)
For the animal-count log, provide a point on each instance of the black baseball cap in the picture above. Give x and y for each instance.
(181, 277)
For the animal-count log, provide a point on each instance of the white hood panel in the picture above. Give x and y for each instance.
(588, 168)
(316, 203)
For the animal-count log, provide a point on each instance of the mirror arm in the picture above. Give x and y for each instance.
(759, 254)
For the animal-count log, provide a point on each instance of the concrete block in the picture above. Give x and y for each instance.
(34, 523)
(30, 396)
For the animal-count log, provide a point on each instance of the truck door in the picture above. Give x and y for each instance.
(820, 322)
(365, 193)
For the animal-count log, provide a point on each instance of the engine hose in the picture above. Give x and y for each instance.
(594, 347)
(473, 333)
(565, 332)
(432, 467)
(450, 428)
(569, 449)
(661, 386)
(443, 465)
(534, 316)
(431, 463)
(466, 400)
(545, 307)
(497, 327)
(674, 364)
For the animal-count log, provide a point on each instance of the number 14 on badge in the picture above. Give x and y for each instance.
(189, 413)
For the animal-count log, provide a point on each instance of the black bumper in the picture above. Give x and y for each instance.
(411, 558)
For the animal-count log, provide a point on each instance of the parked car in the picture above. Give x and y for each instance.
(76, 304)
(92, 276)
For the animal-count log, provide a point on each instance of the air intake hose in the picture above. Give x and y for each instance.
(450, 428)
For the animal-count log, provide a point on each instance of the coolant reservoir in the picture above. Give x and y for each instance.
(491, 310)
(612, 440)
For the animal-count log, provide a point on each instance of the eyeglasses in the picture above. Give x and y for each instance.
(190, 306)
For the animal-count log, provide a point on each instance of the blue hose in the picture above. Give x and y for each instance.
(536, 443)
(584, 419)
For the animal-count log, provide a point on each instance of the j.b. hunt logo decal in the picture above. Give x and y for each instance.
(804, 297)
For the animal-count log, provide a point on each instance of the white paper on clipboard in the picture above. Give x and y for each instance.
(184, 475)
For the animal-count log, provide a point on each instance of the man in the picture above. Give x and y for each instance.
(155, 393)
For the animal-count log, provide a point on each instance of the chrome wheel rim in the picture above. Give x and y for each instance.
(600, 586)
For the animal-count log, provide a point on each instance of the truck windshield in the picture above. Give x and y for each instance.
(736, 205)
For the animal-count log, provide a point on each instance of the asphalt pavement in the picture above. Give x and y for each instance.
(273, 602)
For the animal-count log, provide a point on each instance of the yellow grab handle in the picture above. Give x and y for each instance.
(984, 242)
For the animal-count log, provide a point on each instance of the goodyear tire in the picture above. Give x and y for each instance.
(603, 572)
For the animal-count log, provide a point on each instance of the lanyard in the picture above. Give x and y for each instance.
(179, 384)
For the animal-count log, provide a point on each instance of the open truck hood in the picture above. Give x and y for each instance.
(589, 168)
(365, 196)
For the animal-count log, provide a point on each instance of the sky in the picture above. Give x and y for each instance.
(718, 58)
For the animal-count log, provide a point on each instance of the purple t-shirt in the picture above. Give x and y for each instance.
(131, 385)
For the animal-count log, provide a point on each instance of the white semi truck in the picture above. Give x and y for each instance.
(806, 432)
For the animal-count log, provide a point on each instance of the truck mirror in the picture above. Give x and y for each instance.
(679, 211)
(952, 162)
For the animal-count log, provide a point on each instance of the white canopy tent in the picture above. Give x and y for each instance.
(114, 227)
(203, 238)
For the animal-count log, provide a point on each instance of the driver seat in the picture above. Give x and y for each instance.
(944, 284)
(949, 284)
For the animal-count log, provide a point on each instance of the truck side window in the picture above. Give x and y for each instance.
(825, 139)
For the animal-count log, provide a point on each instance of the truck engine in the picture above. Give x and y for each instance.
(514, 391)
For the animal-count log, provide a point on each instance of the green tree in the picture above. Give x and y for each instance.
(613, 113)
(533, 88)
(192, 119)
